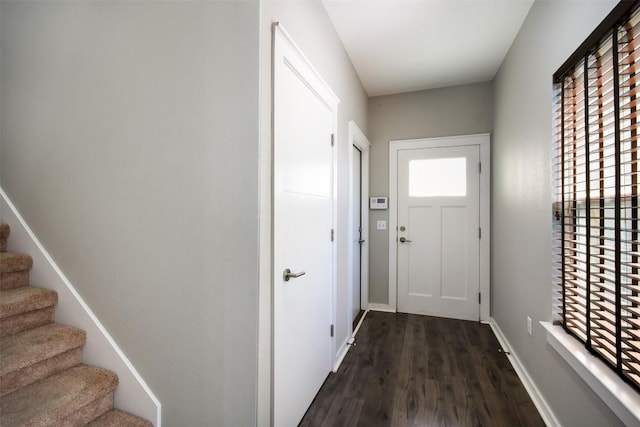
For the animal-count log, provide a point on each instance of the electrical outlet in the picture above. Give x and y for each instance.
(381, 225)
(529, 326)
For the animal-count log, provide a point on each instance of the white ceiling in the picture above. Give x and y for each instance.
(407, 45)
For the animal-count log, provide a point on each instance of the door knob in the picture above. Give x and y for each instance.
(287, 274)
(403, 240)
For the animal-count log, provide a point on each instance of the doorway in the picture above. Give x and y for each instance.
(358, 241)
(304, 125)
(439, 227)
(358, 225)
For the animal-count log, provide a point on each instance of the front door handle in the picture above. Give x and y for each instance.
(287, 274)
(403, 240)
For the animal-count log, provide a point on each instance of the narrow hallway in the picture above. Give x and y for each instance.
(409, 370)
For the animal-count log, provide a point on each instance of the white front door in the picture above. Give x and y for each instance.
(438, 245)
(304, 121)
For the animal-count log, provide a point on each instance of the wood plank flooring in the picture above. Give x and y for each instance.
(409, 370)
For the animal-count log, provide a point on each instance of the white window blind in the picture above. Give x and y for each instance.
(596, 230)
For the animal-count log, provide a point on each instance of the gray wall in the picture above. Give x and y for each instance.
(521, 209)
(308, 24)
(130, 145)
(460, 110)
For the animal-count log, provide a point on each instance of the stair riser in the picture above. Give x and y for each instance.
(4, 234)
(35, 372)
(14, 280)
(89, 413)
(22, 322)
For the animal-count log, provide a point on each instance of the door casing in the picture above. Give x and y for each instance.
(483, 141)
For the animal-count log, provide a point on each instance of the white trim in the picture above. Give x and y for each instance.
(484, 142)
(346, 346)
(360, 141)
(313, 79)
(619, 397)
(485, 225)
(538, 399)
(392, 227)
(133, 394)
(382, 307)
(357, 328)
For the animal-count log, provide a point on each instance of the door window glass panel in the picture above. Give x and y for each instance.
(438, 177)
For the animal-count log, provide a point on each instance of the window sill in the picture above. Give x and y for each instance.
(619, 396)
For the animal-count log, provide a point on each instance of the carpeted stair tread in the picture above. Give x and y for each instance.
(35, 345)
(25, 299)
(54, 399)
(116, 418)
(11, 261)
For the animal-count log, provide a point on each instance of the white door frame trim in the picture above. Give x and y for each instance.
(484, 142)
(360, 141)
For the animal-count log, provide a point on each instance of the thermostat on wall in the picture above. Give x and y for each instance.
(378, 203)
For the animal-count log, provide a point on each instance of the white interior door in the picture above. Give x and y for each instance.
(438, 245)
(304, 120)
(356, 233)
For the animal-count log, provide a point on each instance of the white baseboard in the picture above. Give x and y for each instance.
(355, 331)
(344, 348)
(538, 399)
(132, 395)
(381, 307)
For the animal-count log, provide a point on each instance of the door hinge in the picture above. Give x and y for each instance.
(332, 234)
(479, 298)
(333, 139)
(331, 330)
(479, 232)
(480, 167)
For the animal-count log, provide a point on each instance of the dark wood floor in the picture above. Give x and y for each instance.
(409, 370)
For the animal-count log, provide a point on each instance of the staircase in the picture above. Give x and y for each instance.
(43, 381)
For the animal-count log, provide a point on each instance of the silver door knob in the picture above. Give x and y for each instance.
(403, 240)
(287, 274)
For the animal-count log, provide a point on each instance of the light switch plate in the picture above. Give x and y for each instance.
(381, 225)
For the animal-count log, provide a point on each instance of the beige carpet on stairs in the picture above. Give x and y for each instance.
(43, 381)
